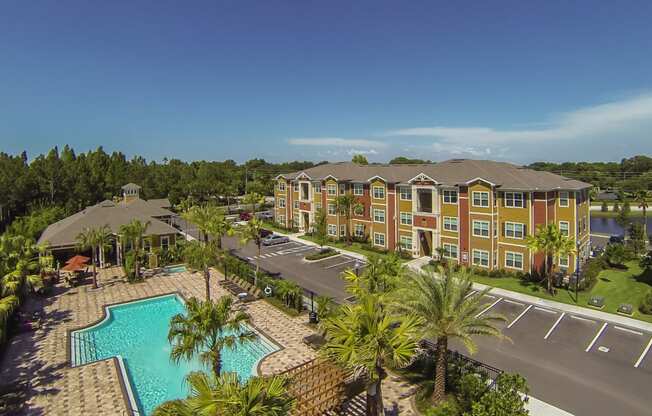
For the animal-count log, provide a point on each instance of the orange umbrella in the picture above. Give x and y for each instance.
(73, 267)
(78, 260)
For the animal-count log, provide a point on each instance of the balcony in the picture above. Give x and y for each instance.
(424, 201)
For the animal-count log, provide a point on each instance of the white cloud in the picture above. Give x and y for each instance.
(629, 116)
(337, 142)
(361, 152)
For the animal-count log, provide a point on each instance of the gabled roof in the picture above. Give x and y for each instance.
(131, 187)
(448, 173)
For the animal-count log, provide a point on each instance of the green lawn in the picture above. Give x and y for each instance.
(617, 286)
(275, 228)
(611, 214)
(355, 247)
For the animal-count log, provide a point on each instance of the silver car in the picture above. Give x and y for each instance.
(275, 239)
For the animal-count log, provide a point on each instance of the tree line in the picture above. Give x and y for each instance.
(72, 181)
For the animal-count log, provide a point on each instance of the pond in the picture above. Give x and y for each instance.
(609, 226)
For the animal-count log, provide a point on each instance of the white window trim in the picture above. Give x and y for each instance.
(518, 254)
(409, 214)
(374, 215)
(342, 230)
(331, 187)
(457, 224)
(473, 199)
(358, 227)
(480, 235)
(358, 191)
(281, 202)
(167, 240)
(331, 227)
(513, 237)
(567, 265)
(567, 228)
(316, 188)
(567, 198)
(401, 194)
(457, 251)
(328, 209)
(480, 251)
(401, 238)
(443, 195)
(281, 187)
(513, 199)
(384, 240)
(373, 192)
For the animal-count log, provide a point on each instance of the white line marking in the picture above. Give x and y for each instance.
(552, 328)
(473, 292)
(583, 319)
(631, 331)
(513, 302)
(490, 296)
(489, 307)
(519, 316)
(645, 351)
(544, 310)
(596, 337)
(339, 264)
(250, 258)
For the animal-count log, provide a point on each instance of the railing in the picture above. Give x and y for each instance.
(84, 349)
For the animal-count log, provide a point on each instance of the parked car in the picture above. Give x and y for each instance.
(265, 215)
(245, 216)
(265, 233)
(616, 239)
(275, 239)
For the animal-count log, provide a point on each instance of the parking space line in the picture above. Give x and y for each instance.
(545, 310)
(489, 307)
(339, 264)
(519, 316)
(596, 337)
(473, 292)
(581, 318)
(552, 328)
(513, 302)
(631, 331)
(490, 296)
(645, 351)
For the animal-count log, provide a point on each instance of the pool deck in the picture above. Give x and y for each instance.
(41, 356)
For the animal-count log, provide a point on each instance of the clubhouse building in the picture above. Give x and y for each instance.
(478, 212)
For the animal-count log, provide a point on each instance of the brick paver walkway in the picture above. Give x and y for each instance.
(58, 389)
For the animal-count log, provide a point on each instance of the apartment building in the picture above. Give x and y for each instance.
(478, 212)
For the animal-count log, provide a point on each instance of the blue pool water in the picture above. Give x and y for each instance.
(176, 269)
(137, 332)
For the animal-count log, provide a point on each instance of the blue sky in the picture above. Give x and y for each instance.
(312, 80)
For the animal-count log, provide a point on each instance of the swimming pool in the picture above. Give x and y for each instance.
(176, 269)
(136, 333)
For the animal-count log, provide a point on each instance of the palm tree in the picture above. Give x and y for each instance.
(549, 241)
(227, 395)
(134, 232)
(95, 239)
(8, 303)
(206, 329)
(381, 275)
(641, 199)
(447, 308)
(200, 256)
(200, 215)
(366, 338)
(218, 226)
(345, 204)
(251, 233)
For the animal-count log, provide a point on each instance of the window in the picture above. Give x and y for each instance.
(563, 199)
(332, 209)
(495, 224)
(480, 228)
(405, 193)
(317, 206)
(564, 261)
(165, 242)
(331, 188)
(450, 224)
(480, 199)
(379, 239)
(514, 260)
(281, 219)
(358, 231)
(563, 228)
(342, 230)
(147, 245)
(406, 218)
(342, 189)
(281, 202)
(405, 241)
(450, 251)
(281, 186)
(450, 197)
(514, 200)
(379, 215)
(316, 188)
(295, 204)
(358, 189)
(296, 221)
(481, 258)
(295, 187)
(332, 230)
(379, 192)
(514, 230)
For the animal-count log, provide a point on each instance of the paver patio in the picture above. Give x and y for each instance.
(58, 389)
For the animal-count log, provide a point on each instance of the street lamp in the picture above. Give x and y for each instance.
(357, 268)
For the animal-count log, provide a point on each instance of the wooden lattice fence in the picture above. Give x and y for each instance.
(318, 386)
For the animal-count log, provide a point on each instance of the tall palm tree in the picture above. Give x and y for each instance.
(199, 215)
(365, 337)
(218, 226)
(200, 256)
(206, 329)
(134, 232)
(549, 241)
(227, 395)
(251, 233)
(447, 308)
(641, 199)
(345, 204)
(95, 239)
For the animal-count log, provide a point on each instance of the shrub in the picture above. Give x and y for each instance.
(590, 271)
(615, 254)
(646, 304)
(604, 207)
(504, 399)
(616, 207)
(326, 252)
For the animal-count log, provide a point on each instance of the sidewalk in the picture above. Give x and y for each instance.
(296, 237)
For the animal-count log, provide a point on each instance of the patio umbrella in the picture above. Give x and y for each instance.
(73, 267)
(78, 260)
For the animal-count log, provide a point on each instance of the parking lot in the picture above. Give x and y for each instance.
(580, 364)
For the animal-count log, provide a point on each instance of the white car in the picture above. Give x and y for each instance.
(275, 239)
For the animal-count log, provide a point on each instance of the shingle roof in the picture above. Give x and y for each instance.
(160, 202)
(450, 172)
(131, 186)
(64, 233)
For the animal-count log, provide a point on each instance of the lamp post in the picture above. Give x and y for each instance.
(357, 268)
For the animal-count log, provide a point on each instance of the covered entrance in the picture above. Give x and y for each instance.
(425, 242)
